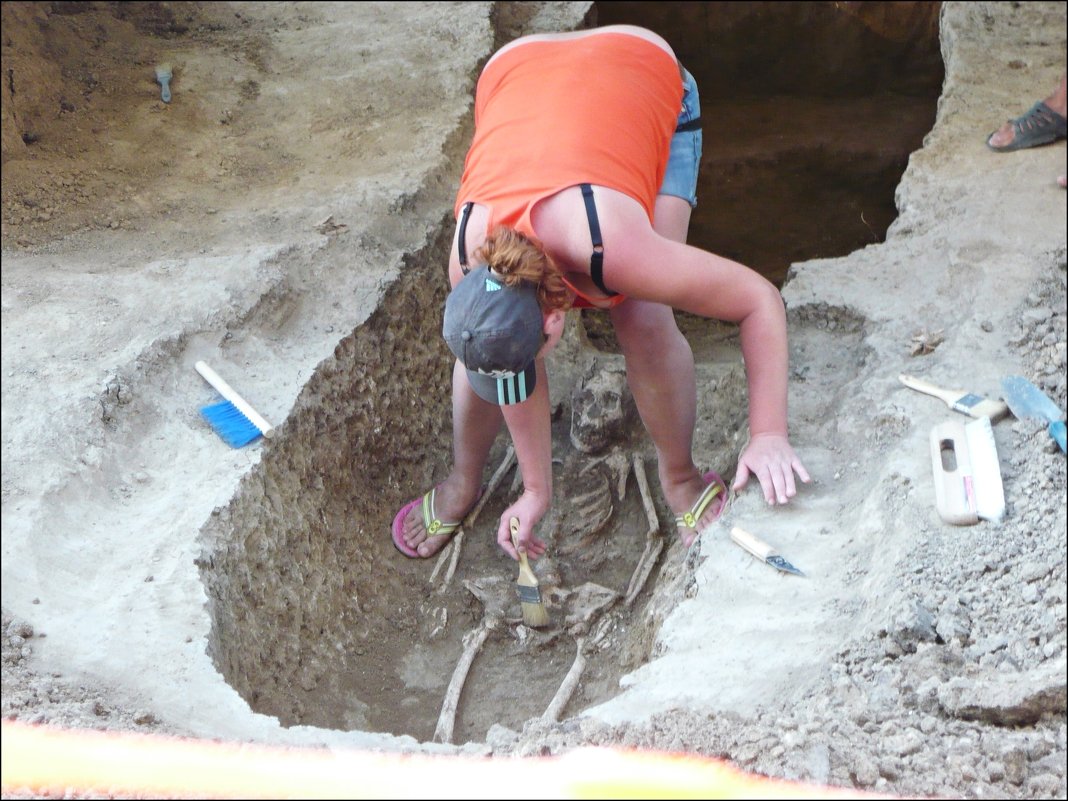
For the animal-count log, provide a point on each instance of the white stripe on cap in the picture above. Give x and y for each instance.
(512, 390)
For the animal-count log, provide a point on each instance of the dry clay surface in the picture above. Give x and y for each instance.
(261, 216)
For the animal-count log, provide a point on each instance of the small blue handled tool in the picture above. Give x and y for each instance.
(1028, 401)
(163, 78)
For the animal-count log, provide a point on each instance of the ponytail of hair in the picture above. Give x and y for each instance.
(516, 257)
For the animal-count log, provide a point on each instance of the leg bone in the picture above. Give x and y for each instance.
(654, 542)
(568, 685)
(473, 641)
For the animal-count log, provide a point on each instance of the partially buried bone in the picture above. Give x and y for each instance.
(451, 552)
(491, 596)
(473, 641)
(654, 539)
(567, 686)
(496, 594)
(602, 407)
(593, 508)
(585, 605)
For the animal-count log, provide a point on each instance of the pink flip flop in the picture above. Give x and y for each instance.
(434, 526)
(398, 530)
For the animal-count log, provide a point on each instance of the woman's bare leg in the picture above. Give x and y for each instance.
(662, 377)
(475, 425)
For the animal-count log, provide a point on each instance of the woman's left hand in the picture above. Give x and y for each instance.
(771, 459)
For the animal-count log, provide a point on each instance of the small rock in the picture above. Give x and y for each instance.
(890, 768)
(1008, 699)
(865, 771)
(500, 737)
(951, 627)
(1014, 761)
(907, 744)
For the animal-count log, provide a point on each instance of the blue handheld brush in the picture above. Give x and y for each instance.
(233, 419)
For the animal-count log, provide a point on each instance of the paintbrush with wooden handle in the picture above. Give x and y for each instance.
(534, 612)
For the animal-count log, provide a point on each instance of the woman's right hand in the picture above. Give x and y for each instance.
(529, 509)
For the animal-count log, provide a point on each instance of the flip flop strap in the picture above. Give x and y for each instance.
(1040, 117)
(691, 517)
(434, 526)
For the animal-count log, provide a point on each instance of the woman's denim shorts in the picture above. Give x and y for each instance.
(680, 179)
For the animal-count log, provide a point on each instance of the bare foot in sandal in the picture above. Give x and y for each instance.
(1043, 123)
(425, 525)
(708, 498)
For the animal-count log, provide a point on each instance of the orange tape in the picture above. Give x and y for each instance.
(47, 759)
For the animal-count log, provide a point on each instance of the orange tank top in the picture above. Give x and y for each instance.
(599, 109)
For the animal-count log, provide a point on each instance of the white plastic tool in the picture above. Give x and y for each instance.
(967, 472)
(989, 491)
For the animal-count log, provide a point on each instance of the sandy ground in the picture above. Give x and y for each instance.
(258, 221)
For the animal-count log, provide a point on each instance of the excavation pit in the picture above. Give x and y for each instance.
(318, 620)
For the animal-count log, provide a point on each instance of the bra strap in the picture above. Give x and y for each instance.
(461, 248)
(597, 257)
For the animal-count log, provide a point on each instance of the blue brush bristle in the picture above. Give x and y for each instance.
(230, 424)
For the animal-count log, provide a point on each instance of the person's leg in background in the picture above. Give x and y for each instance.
(1042, 124)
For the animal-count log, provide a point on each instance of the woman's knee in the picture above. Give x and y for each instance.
(645, 328)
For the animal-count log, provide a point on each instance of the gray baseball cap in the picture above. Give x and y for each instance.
(495, 330)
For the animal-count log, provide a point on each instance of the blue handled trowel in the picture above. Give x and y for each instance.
(163, 78)
(1028, 401)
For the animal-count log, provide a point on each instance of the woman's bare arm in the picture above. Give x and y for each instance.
(640, 263)
(529, 426)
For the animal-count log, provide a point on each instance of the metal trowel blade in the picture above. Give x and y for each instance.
(781, 564)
